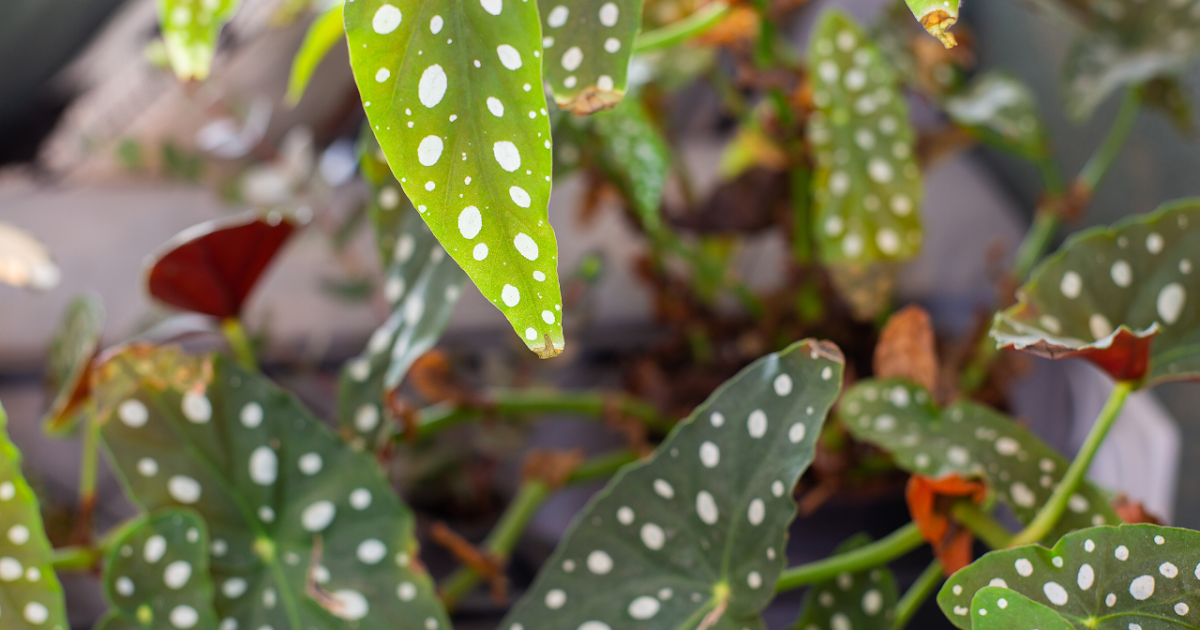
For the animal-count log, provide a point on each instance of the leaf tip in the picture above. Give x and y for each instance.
(548, 349)
(938, 24)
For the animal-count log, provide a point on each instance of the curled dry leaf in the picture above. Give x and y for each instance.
(906, 348)
(929, 503)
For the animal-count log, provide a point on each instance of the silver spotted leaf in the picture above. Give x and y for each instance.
(865, 600)
(453, 92)
(1106, 578)
(971, 441)
(156, 576)
(1000, 110)
(422, 285)
(588, 44)
(30, 596)
(190, 29)
(1126, 298)
(867, 185)
(306, 533)
(695, 536)
(998, 608)
(71, 352)
(635, 155)
(1128, 42)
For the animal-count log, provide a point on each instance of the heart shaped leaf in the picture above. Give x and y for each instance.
(1000, 110)
(695, 536)
(1109, 578)
(452, 91)
(211, 268)
(588, 44)
(25, 262)
(998, 608)
(971, 441)
(306, 533)
(190, 29)
(1126, 298)
(937, 16)
(156, 576)
(865, 600)
(423, 284)
(71, 352)
(30, 596)
(324, 32)
(867, 184)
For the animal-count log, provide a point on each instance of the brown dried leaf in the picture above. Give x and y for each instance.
(907, 348)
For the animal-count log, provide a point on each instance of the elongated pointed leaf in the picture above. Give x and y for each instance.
(1126, 298)
(71, 354)
(156, 576)
(867, 184)
(1001, 111)
(634, 153)
(325, 32)
(998, 608)
(937, 16)
(211, 268)
(423, 285)
(864, 601)
(30, 596)
(25, 262)
(1108, 578)
(971, 441)
(453, 92)
(306, 533)
(698, 531)
(588, 44)
(190, 29)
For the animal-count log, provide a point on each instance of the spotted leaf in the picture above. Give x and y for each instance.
(867, 184)
(324, 32)
(998, 608)
(865, 600)
(190, 29)
(453, 92)
(695, 536)
(1126, 298)
(971, 441)
(587, 45)
(1108, 578)
(1000, 110)
(211, 268)
(306, 533)
(423, 284)
(1128, 42)
(156, 575)
(30, 595)
(71, 354)
(937, 16)
(634, 153)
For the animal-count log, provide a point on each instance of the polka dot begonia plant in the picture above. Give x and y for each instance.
(71, 354)
(1109, 578)
(696, 536)
(1001, 111)
(588, 44)
(865, 600)
(190, 29)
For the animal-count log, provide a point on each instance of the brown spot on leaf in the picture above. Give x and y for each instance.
(938, 24)
(590, 101)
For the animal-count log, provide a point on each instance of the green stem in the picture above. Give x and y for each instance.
(916, 594)
(986, 528)
(87, 477)
(76, 558)
(1037, 242)
(1048, 516)
(678, 32)
(879, 552)
(1104, 156)
(239, 343)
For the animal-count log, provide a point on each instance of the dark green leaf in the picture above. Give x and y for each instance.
(588, 44)
(156, 575)
(998, 608)
(30, 595)
(71, 353)
(863, 601)
(634, 153)
(1001, 111)
(1107, 578)
(325, 31)
(1125, 297)
(971, 441)
(306, 533)
(695, 536)
(453, 92)
(190, 29)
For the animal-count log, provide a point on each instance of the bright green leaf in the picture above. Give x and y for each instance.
(30, 595)
(636, 156)
(864, 601)
(71, 351)
(1125, 297)
(190, 29)
(971, 441)
(1001, 111)
(1107, 578)
(306, 532)
(695, 536)
(588, 44)
(156, 575)
(867, 184)
(325, 31)
(453, 92)
(936, 16)
(998, 608)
